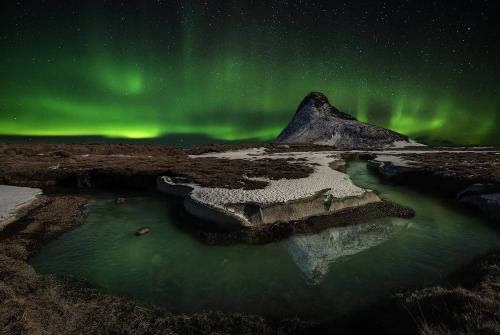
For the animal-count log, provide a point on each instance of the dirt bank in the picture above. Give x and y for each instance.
(115, 165)
(281, 230)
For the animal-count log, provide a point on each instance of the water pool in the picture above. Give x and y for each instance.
(323, 275)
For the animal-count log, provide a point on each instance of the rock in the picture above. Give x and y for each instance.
(485, 197)
(121, 200)
(322, 192)
(142, 231)
(318, 122)
(387, 169)
(390, 167)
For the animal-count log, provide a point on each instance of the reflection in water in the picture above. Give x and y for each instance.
(314, 254)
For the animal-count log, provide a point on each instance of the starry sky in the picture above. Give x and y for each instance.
(237, 70)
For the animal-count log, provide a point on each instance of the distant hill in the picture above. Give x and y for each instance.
(318, 122)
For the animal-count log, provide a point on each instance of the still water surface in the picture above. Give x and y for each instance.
(323, 275)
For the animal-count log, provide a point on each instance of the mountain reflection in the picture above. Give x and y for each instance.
(315, 254)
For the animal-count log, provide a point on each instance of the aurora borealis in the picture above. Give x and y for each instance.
(237, 70)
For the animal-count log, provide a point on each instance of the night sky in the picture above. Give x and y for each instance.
(237, 70)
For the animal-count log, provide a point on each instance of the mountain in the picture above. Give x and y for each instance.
(318, 122)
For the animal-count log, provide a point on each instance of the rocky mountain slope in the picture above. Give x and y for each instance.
(318, 122)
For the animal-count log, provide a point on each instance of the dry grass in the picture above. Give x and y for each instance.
(470, 166)
(270, 147)
(468, 304)
(105, 165)
(31, 303)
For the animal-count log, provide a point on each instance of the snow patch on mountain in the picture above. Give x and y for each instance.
(318, 122)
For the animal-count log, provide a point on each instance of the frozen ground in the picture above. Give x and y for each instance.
(283, 190)
(11, 197)
(395, 160)
(331, 185)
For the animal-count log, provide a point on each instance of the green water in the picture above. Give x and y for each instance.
(323, 275)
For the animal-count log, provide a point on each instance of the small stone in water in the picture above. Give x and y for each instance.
(121, 200)
(142, 231)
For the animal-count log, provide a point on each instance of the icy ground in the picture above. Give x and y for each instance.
(283, 190)
(13, 196)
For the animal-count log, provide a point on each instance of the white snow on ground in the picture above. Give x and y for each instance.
(237, 154)
(404, 144)
(493, 198)
(282, 190)
(395, 160)
(334, 183)
(285, 190)
(12, 196)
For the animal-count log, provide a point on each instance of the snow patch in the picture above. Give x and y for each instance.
(395, 160)
(235, 154)
(323, 180)
(336, 137)
(282, 190)
(409, 143)
(13, 196)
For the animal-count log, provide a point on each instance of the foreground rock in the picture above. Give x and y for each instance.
(268, 233)
(318, 122)
(323, 192)
(390, 166)
(120, 201)
(485, 197)
(142, 231)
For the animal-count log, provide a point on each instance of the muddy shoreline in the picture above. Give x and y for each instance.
(34, 303)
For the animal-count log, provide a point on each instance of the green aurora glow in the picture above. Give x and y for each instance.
(236, 77)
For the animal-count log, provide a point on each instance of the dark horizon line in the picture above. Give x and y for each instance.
(178, 140)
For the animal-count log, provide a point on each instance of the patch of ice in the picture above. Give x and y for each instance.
(235, 154)
(13, 196)
(120, 155)
(395, 160)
